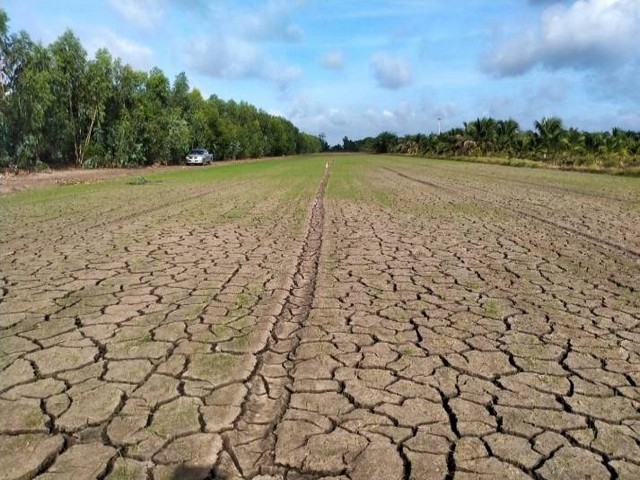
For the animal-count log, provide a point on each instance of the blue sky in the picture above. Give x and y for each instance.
(358, 67)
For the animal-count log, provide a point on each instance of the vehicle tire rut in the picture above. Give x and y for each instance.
(250, 446)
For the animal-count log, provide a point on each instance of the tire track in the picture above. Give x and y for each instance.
(250, 446)
(600, 242)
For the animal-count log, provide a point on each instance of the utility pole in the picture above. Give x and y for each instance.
(439, 126)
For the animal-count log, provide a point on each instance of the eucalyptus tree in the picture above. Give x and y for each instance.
(97, 87)
(68, 115)
(58, 106)
(124, 118)
(25, 98)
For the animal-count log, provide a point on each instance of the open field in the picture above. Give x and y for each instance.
(382, 318)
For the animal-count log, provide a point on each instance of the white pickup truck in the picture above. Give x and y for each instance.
(199, 156)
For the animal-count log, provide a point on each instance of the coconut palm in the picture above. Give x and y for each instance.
(482, 132)
(550, 132)
(507, 132)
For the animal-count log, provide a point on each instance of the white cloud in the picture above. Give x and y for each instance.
(585, 34)
(142, 13)
(224, 57)
(135, 54)
(232, 57)
(333, 60)
(273, 22)
(391, 72)
(240, 44)
(360, 121)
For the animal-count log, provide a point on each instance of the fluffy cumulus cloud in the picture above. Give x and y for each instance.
(231, 57)
(241, 45)
(391, 72)
(333, 60)
(583, 34)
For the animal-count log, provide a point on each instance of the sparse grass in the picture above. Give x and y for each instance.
(123, 472)
(242, 300)
(146, 338)
(373, 234)
(596, 166)
(249, 192)
(221, 331)
(409, 351)
(239, 342)
(492, 308)
(330, 452)
(34, 419)
(194, 312)
(141, 180)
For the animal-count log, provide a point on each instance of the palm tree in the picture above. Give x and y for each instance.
(550, 132)
(482, 132)
(507, 132)
(596, 143)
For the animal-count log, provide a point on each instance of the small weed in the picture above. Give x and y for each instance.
(138, 181)
(408, 352)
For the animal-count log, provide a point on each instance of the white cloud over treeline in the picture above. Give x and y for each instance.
(580, 35)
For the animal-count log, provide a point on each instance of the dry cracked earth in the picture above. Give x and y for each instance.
(374, 319)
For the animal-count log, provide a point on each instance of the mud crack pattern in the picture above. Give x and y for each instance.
(396, 320)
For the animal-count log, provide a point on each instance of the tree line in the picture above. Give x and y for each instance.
(549, 141)
(58, 107)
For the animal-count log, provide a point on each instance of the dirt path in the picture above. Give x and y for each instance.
(25, 181)
(373, 320)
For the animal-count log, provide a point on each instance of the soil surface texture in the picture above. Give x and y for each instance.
(331, 317)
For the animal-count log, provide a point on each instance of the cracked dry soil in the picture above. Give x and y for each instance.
(378, 319)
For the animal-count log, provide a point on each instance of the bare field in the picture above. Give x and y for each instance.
(383, 318)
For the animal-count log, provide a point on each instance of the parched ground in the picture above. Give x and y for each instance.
(349, 317)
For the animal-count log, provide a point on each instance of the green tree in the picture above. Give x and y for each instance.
(26, 95)
(58, 106)
(550, 132)
(4, 52)
(97, 86)
(67, 82)
(385, 142)
(507, 132)
(483, 132)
